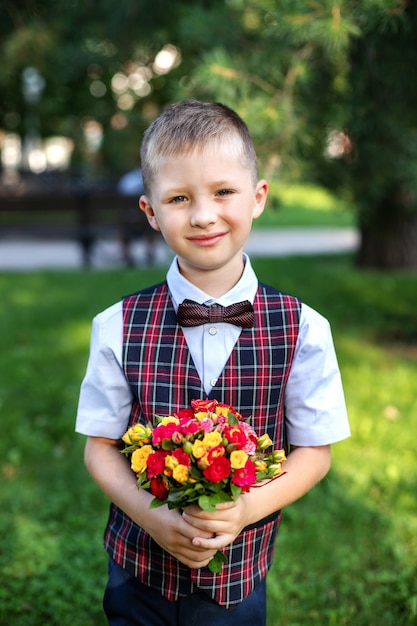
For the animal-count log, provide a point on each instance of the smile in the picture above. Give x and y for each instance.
(206, 241)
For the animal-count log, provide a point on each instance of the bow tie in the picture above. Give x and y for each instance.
(191, 313)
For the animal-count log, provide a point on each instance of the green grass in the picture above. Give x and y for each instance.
(304, 205)
(346, 553)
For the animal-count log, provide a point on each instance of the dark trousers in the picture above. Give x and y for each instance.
(127, 602)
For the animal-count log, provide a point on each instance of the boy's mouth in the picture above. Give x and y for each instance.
(207, 240)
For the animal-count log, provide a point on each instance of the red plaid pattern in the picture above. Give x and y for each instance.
(163, 379)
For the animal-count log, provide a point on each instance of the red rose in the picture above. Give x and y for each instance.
(185, 414)
(218, 470)
(230, 409)
(236, 435)
(156, 464)
(215, 453)
(182, 457)
(245, 477)
(159, 489)
(203, 406)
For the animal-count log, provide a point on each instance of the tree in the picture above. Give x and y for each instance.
(326, 86)
(78, 48)
(309, 71)
(383, 126)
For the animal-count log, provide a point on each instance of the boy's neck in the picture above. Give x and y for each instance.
(214, 283)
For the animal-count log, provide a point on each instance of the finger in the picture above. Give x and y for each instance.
(223, 506)
(215, 543)
(202, 527)
(195, 526)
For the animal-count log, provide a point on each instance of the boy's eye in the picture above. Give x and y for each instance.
(178, 199)
(224, 192)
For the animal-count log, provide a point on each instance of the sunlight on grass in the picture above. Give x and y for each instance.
(311, 197)
(302, 206)
(76, 336)
(346, 553)
(32, 548)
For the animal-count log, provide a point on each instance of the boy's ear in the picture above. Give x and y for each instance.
(261, 194)
(146, 207)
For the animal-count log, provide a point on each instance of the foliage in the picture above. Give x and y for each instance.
(78, 48)
(346, 553)
(285, 65)
(327, 89)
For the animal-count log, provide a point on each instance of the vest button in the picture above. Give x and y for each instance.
(213, 330)
(213, 382)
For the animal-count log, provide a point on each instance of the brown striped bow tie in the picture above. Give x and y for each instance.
(191, 313)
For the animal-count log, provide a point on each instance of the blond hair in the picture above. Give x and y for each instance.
(191, 124)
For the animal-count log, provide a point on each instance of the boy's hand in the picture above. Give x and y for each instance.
(223, 525)
(168, 528)
(174, 534)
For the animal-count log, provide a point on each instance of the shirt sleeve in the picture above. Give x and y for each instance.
(314, 400)
(105, 397)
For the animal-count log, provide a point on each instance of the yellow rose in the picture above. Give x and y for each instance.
(275, 469)
(211, 440)
(180, 473)
(201, 415)
(137, 434)
(199, 449)
(264, 442)
(170, 462)
(222, 410)
(170, 419)
(238, 459)
(278, 456)
(260, 465)
(203, 462)
(139, 458)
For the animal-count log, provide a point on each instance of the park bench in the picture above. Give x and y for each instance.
(83, 215)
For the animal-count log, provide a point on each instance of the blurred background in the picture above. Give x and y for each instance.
(329, 91)
(327, 88)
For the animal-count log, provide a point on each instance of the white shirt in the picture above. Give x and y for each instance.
(314, 401)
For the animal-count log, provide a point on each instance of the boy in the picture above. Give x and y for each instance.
(202, 192)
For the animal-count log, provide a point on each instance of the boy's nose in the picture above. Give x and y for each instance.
(202, 214)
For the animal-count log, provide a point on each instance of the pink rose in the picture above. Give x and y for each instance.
(245, 477)
(164, 431)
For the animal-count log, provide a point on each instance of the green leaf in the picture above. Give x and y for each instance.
(156, 503)
(143, 482)
(128, 450)
(195, 473)
(236, 491)
(217, 562)
(174, 496)
(232, 419)
(205, 502)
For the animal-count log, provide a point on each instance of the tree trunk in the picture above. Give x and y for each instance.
(390, 242)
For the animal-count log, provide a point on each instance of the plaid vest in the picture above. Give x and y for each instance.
(163, 379)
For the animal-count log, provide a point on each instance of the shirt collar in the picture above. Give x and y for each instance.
(180, 288)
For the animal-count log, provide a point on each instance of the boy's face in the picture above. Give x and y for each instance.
(203, 202)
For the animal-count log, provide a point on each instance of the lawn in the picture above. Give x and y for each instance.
(346, 553)
(304, 205)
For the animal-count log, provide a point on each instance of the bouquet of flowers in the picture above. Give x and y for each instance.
(205, 454)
